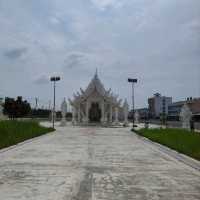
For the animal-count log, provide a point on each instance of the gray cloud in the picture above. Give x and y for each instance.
(15, 53)
(106, 4)
(41, 79)
(74, 60)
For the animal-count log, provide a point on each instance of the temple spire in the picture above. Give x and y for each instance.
(96, 74)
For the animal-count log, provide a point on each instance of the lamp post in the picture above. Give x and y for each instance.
(133, 81)
(54, 79)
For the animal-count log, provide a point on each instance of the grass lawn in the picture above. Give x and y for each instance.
(180, 140)
(13, 132)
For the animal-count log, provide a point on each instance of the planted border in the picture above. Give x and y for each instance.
(13, 132)
(181, 140)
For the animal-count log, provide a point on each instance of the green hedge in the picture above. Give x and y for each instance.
(181, 140)
(13, 132)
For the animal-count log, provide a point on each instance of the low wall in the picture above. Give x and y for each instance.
(174, 124)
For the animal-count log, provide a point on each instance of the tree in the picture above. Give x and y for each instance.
(16, 108)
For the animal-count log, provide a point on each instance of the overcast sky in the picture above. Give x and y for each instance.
(156, 41)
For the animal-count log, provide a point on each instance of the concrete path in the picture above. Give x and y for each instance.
(94, 164)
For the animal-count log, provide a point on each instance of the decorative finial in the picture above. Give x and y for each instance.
(96, 73)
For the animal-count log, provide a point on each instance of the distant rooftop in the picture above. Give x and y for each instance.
(157, 94)
(178, 103)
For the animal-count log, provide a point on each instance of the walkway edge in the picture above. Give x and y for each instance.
(195, 164)
(24, 142)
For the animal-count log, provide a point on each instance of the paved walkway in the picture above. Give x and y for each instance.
(94, 164)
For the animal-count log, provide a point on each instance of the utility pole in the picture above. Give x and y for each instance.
(54, 79)
(49, 104)
(36, 103)
(133, 81)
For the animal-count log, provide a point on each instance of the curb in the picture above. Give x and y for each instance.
(23, 143)
(195, 164)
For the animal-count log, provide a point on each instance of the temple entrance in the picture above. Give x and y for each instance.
(95, 113)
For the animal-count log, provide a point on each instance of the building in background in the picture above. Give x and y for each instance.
(158, 105)
(174, 109)
(143, 113)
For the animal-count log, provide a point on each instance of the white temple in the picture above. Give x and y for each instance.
(95, 105)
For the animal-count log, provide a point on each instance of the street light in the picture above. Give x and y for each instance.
(133, 81)
(54, 79)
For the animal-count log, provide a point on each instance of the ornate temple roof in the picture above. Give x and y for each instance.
(95, 86)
